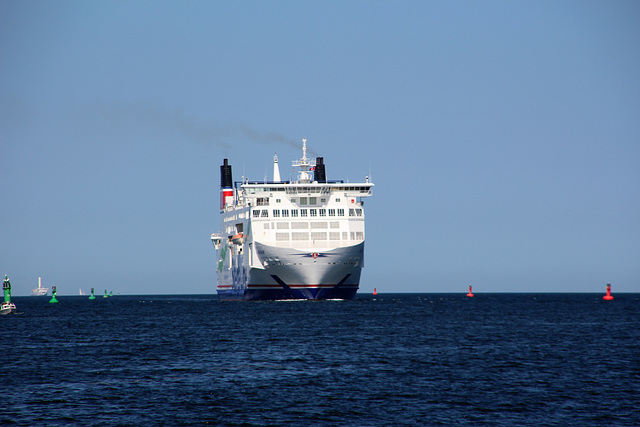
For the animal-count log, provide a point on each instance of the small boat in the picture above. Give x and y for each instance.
(39, 291)
(7, 308)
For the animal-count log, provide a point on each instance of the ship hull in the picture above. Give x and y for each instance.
(285, 294)
(290, 274)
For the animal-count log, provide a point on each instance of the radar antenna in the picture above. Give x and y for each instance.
(304, 164)
(304, 151)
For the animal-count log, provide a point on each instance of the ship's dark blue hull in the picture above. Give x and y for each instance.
(346, 293)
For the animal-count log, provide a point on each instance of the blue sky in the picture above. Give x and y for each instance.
(503, 137)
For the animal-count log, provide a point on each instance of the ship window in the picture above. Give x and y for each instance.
(313, 200)
(352, 212)
(334, 224)
(283, 225)
(266, 225)
(334, 235)
(277, 200)
(359, 212)
(285, 212)
(318, 235)
(256, 213)
(262, 201)
(282, 237)
(303, 212)
(323, 200)
(313, 212)
(299, 225)
(303, 200)
(323, 212)
(299, 235)
(345, 235)
(294, 212)
(353, 235)
(276, 213)
(359, 235)
(338, 200)
(340, 212)
(265, 213)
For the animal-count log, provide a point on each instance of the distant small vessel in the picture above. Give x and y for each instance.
(39, 291)
(7, 307)
(81, 292)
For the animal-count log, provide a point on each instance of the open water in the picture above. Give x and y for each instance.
(393, 360)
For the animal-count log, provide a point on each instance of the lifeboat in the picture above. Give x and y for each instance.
(237, 239)
(216, 239)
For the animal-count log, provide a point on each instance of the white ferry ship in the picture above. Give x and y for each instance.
(298, 239)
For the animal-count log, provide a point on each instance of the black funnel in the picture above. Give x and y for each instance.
(319, 173)
(226, 180)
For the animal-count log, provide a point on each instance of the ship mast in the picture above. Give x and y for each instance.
(304, 164)
(304, 150)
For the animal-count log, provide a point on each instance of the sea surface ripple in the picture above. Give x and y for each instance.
(392, 359)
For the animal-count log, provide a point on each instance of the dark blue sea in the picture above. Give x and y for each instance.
(388, 360)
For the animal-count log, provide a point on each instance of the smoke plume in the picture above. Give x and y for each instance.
(224, 136)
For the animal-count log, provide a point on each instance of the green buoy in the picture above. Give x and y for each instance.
(111, 293)
(92, 295)
(105, 294)
(53, 298)
(7, 307)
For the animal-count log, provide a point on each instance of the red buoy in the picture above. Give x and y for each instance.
(375, 292)
(469, 294)
(608, 296)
